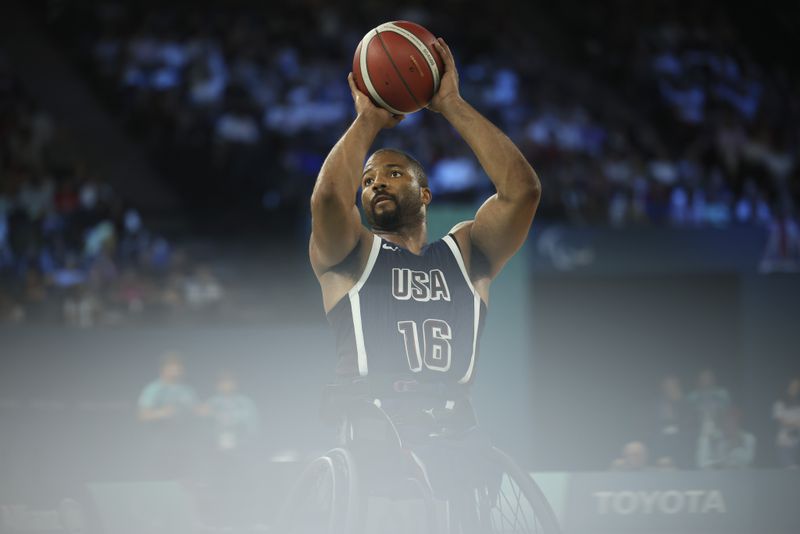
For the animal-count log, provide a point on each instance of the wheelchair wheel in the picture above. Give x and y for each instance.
(325, 498)
(513, 503)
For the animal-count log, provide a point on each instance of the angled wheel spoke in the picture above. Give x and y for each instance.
(518, 505)
(519, 509)
(511, 508)
(503, 513)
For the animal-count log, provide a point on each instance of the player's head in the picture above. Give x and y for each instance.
(394, 190)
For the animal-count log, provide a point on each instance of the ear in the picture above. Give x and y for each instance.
(425, 194)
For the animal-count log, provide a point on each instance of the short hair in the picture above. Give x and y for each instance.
(416, 166)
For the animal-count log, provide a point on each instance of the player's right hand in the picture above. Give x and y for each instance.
(365, 108)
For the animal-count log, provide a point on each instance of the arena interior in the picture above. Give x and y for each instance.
(641, 355)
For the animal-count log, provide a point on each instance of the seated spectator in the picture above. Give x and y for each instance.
(236, 425)
(674, 432)
(709, 401)
(726, 447)
(202, 290)
(167, 397)
(168, 407)
(235, 415)
(782, 251)
(635, 457)
(786, 413)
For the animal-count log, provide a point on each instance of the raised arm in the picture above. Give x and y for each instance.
(335, 221)
(502, 223)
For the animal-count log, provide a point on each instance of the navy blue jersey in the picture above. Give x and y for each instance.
(410, 315)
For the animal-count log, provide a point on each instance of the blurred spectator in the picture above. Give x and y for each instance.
(782, 252)
(709, 401)
(66, 236)
(81, 308)
(202, 290)
(673, 442)
(239, 107)
(236, 426)
(234, 414)
(168, 408)
(635, 457)
(671, 138)
(786, 412)
(726, 447)
(167, 397)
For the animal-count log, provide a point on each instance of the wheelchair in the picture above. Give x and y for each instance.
(376, 483)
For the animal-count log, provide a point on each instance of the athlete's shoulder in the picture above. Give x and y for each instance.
(354, 259)
(461, 235)
(475, 264)
(462, 227)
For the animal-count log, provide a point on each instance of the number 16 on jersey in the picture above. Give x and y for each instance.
(436, 350)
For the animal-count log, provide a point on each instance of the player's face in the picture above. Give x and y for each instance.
(391, 194)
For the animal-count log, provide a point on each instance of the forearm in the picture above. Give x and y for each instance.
(505, 165)
(340, 175)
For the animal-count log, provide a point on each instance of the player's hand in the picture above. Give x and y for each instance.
(448, 94)
(365, 108)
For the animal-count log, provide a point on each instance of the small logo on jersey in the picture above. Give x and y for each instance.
(421, 286)
(390, 247)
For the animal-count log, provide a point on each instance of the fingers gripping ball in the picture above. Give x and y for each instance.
(397, 66)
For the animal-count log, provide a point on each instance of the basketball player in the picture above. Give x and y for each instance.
(407, 313)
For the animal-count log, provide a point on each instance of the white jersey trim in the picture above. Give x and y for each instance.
(355, 306)
(477, 318)
(476, 304)
(460, 260)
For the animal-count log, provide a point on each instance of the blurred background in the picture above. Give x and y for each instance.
(159, 320)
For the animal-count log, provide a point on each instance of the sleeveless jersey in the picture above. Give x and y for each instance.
(410, 315)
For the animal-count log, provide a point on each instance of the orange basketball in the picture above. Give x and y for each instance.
(397, 66)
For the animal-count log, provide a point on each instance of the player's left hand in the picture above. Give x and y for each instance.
(366, 108)
(448, 93)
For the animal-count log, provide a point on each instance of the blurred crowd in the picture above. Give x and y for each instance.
(215, 440)
(654, 114)
(705, 429)
(698, 428)
(71, 250)
(630, 117)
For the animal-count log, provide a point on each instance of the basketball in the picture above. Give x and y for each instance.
(397, 66)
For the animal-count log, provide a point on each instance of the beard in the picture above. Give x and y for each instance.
(404, 212)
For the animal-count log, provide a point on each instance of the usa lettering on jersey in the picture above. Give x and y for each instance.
(421, 286)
